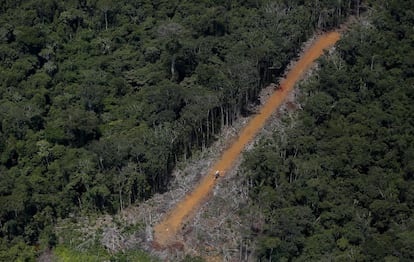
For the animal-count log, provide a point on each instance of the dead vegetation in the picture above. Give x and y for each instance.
(218, 230)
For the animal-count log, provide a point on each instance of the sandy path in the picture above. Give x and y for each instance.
(171, 224)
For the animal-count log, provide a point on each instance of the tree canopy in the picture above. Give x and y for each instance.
(99, 99)
(337, 182)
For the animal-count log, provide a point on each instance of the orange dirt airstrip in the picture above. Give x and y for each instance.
(167, 229)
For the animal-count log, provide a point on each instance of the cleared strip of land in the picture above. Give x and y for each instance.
(171, 224)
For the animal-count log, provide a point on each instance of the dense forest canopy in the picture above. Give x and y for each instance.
(337, 183)
(100, 98)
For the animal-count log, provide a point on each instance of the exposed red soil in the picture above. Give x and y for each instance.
(167, 229)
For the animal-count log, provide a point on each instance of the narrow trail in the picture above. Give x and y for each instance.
(165, 231)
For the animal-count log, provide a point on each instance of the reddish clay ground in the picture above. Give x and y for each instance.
(169, 227)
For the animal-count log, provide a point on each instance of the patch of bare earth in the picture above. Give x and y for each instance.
(221, 228)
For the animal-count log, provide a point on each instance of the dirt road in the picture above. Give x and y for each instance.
(169, 227)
